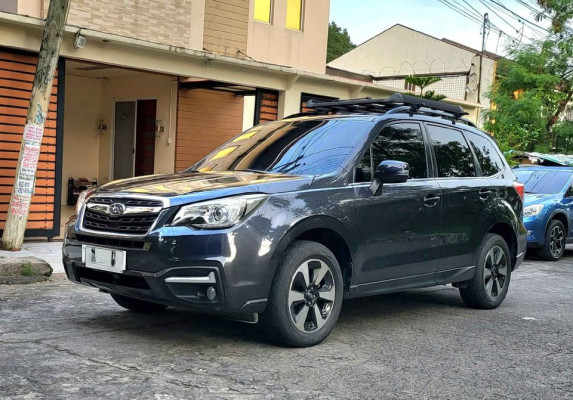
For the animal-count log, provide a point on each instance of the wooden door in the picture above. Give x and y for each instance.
(145, 137)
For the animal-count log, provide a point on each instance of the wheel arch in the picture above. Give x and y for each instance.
(325, 230)
(561, 216)
(506, 231)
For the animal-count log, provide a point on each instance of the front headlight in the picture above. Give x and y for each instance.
(82, 198)
(533, 210)
(219, 213)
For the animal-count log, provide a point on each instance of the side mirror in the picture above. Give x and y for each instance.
(389, 171)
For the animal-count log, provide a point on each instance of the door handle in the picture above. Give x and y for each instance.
(431, 200)
(484, 193)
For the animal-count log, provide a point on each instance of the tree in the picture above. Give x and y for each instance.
(560, 12)
(535, 87)
(339, 42)
(423, 82)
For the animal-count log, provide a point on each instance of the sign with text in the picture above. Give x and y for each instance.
(25, 178)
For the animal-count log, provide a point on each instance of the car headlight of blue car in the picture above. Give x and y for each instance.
(532, 210)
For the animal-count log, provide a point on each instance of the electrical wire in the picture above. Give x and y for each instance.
(533, 29)
(518, 16)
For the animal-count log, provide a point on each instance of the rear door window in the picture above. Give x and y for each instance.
(487, 154)
(453, 154)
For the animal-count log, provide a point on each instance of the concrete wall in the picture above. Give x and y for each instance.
(274, 43)
(169, 22)
(10, 6)
(404, 51)
(218, 26)
(81, 137)
(125, 88)
(226, 27)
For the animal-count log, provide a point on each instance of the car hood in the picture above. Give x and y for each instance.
(180, 187)
(531, 198)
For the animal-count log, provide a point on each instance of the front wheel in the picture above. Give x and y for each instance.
(136, 305)
(488, 287)
(305, 297)
(555, 240)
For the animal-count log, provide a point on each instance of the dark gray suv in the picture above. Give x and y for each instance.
(283, 222)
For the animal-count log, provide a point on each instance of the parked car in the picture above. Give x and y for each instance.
(356, 198)
(548, 208)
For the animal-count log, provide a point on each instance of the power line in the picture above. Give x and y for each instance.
(499, 16)
(521, 21)
(518, 16)
(459, 11)
(476, 20)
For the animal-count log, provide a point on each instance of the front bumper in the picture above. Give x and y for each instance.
(176, 265)
(535, 231)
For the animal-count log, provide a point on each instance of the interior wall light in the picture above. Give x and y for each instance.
(159, 128)
(101, 127)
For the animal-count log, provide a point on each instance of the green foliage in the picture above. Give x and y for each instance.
(432, 95)
(564, 134)
(339, 42)
(423, 82)
(560, 12)
(28, 270)
(535, 87)
(531, 95)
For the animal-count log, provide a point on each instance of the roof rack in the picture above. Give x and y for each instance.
(397, 103)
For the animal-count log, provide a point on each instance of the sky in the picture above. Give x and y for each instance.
(366, 18)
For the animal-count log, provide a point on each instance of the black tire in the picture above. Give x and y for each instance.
(295, 295)
(555, 240)
(488, 287)
(136, 305)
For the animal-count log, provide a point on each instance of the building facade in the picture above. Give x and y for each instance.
(155, 89)
(399, 52)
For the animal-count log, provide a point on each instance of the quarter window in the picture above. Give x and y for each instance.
(263, 10)
(294, 14)
(486, 153)
(400, 142)
(453, 155)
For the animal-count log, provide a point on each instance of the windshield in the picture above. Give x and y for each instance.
(307, 147)
(542, 181)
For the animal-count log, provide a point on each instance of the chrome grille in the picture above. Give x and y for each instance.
(138, 217)
(127, 202)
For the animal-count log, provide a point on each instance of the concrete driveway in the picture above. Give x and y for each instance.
(61, 340)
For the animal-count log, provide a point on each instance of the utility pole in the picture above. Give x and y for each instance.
(485, 26)
(23, 188)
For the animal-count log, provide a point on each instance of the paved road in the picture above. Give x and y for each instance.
(60, 340)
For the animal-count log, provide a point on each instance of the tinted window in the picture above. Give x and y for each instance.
(453, 154)
(310, 147)
(401, 142)
(486, 153)
(542, 181)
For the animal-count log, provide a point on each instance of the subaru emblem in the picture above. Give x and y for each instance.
(116, 209)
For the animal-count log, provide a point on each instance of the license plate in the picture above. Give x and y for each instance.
(104, 259)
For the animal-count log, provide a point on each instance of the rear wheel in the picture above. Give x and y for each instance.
(136, 305)
(306, 296)
(488, 287)
(555, 240)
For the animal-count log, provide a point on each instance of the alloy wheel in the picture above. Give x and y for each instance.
(495, 271)
(312, 293)
(556, 241)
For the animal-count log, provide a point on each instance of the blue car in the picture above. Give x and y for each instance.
(548, 208)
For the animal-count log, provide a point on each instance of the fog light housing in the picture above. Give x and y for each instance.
(211, 293)
(529, 233)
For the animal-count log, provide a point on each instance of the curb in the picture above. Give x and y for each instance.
(23, 270)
